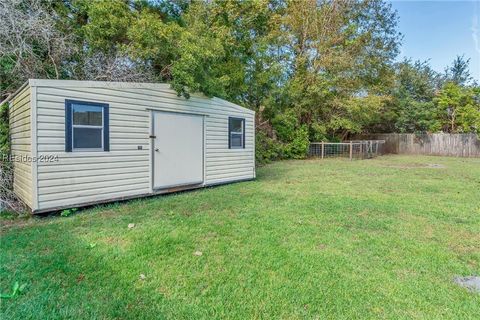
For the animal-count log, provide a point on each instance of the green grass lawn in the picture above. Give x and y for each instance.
(335, 239)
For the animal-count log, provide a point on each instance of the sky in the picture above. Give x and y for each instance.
(438, 31)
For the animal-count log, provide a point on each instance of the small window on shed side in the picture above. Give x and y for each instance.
(236, 133)
(86, 126)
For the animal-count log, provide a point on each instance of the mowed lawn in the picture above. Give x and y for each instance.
(331, 239)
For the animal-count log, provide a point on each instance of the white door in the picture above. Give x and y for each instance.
(178, 149)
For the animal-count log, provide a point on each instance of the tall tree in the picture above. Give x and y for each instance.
(459, 72)
(458, 108)
(413, 110)
(220, 48)
(341, 61)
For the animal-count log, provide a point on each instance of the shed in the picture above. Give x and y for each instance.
(78, 143)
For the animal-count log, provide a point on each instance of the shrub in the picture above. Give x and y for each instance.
(318, 132)
(266, 148)
(8, 200)
(284, 125)
(68, 212)
(298, 147)
(4, 135)
(293, 138)
(269, 149)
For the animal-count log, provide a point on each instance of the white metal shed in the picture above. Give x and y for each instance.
(77, 143)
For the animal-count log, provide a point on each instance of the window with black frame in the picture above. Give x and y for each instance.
(86, 126)
(236, 133)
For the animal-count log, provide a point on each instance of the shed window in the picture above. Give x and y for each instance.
(86, 126)
(236, 132)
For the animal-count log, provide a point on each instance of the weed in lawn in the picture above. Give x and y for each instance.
(68, 212)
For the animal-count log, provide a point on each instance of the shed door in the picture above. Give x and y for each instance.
(178, 149)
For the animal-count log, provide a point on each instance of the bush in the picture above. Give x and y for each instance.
(266, 148)
(293, 138)
(8, 201)
(284, 125)
(4, 135)
(318, 132)
(298, 147)
(269, 149)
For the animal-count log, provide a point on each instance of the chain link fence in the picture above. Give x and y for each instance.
(357, 149)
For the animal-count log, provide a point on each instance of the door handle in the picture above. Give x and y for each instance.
(156, 150)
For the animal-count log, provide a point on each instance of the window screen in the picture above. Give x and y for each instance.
(86, 126)
(236, 133)
(87, 138)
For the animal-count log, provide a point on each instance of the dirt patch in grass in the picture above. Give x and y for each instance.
(17, 222)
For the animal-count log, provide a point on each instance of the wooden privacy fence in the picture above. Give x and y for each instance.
(441, 144)
(364, 149)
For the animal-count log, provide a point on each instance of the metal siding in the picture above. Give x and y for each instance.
(129, 174)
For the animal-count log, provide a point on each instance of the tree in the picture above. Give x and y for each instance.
(458, 108)
(458, 72)
(101, 33)
(30, 43)
(413, 110)
(341, 55)
(67, 40)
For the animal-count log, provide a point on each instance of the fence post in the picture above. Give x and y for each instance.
(323, 149)
(351, 150)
